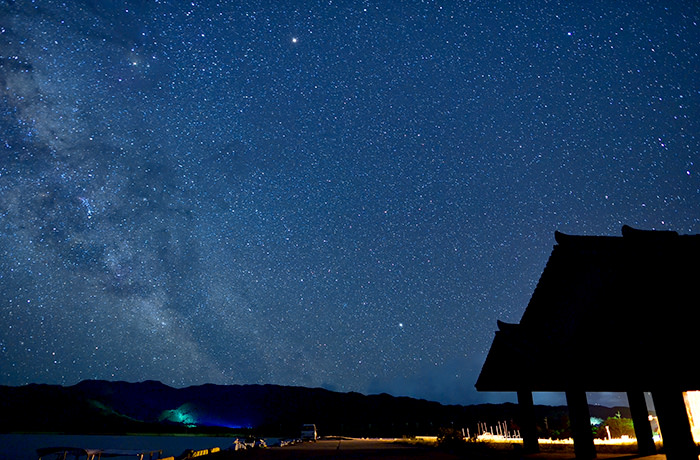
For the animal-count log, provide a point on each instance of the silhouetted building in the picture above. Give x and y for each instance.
(613, 314)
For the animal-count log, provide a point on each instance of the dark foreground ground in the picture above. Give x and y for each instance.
(370, 449)
(338, 449)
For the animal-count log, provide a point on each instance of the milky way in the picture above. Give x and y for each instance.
(336, 194)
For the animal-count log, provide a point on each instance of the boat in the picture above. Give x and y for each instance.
(79, 453)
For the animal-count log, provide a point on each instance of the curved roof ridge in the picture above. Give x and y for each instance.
(629, 232)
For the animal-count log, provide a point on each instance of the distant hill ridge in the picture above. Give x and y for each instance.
(98, 406)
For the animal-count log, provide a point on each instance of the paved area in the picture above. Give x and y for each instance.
(370, 449)
(340, 449)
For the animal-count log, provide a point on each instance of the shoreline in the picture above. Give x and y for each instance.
(332, 447)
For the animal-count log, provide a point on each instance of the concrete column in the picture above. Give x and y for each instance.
(640, 419)
(580, 418)
(674, 425)
(528, 424)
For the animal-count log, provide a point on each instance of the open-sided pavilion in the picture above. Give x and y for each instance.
(609, 314)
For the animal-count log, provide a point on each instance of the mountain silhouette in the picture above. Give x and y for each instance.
(97, 406)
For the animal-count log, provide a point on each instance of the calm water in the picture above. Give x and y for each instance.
(23, 446)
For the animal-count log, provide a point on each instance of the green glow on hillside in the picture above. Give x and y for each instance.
(184, 415)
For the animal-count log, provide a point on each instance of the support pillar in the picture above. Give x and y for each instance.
(528, 424)
(640, 419)
(674, 424)
(580, 419)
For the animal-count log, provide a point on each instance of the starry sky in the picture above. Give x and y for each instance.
(337, 194)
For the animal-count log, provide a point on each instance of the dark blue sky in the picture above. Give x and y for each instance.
(337, 194)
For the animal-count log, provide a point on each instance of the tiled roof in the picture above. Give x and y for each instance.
(608, 314)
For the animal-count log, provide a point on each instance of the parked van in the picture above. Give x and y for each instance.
(308, 432)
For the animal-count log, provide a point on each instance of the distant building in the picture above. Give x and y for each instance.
(609, 314)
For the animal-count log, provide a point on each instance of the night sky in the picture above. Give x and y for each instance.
(344, 194)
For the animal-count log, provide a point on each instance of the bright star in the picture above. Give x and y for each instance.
(295, 39)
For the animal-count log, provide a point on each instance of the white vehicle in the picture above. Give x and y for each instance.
(308, 432)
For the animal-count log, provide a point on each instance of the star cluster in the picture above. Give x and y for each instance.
(323, 193)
